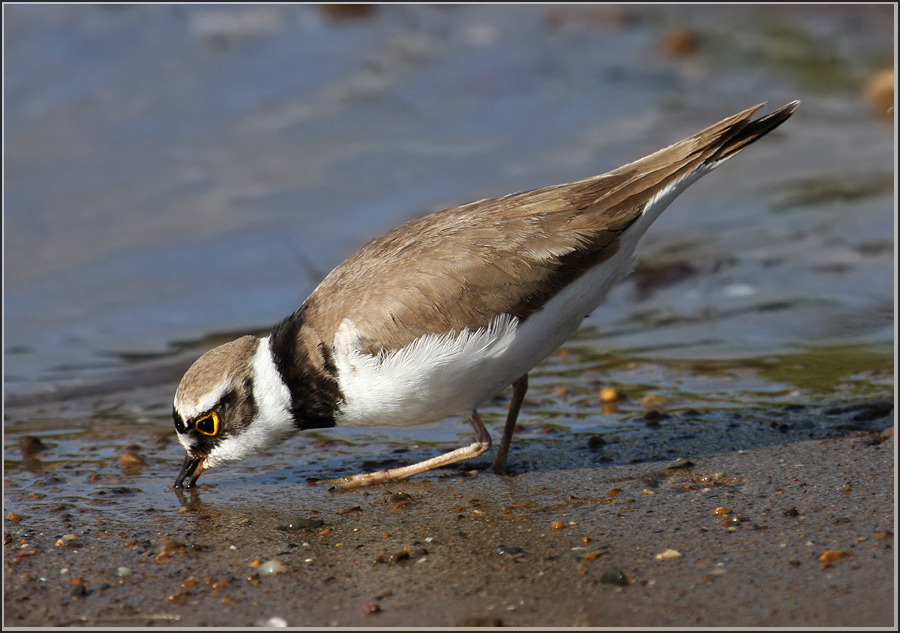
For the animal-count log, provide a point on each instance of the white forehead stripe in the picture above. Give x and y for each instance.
(207, 402)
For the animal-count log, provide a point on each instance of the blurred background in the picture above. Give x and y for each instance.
(176, 175)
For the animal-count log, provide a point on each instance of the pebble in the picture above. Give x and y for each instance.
(669, 554)
(123, 572)
(272, 567)
(609, 394)
(274, 621)
(131, 460)
(304, 523)
(832, 556)
(879, 92)
(614, 577)
(348, 11)
(596, 441)
(398, 497)
(30, 445)
(679, 42)
(510, 550)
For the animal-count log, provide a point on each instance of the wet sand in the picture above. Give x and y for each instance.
(788, 532)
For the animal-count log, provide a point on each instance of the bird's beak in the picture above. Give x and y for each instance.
(193, 468)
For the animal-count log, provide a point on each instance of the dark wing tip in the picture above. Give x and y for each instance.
(754, 130)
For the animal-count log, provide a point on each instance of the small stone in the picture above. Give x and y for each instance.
(303, 523)
(879, 91)
(272, 567)
(347, 11)
(178, 598)
(30, 445)
(614, 577)
(679, 42)
(398, 497)
(832, 556)
(190, 583)
(557, 525)
(596, 441)
(721, 511)
(609, 394)
(669, 554)
(510, 550)
(131, 460)
(480, 621)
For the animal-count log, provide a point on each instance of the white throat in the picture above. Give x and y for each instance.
(273, 421)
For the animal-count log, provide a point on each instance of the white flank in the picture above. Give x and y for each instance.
(434, 377)
(273, 421)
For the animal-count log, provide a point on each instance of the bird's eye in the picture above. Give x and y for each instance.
(208, 424)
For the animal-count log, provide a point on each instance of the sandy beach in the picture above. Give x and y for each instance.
(790, 531)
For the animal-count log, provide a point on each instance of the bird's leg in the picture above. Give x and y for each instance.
(519, 389)
(480, 445)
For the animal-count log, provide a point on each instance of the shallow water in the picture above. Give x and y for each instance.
(179, 175)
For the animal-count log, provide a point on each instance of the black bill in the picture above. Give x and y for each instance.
(192, 467)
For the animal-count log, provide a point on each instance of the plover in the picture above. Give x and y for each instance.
(434, 318)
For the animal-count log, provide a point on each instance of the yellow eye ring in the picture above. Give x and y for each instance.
(208, 424)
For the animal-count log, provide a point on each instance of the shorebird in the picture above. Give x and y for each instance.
(439, 315)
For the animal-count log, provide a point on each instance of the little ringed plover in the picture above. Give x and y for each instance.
(437, 316)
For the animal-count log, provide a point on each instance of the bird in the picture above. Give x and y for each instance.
(439, 315)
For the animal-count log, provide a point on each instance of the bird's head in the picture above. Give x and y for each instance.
(218, 415)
